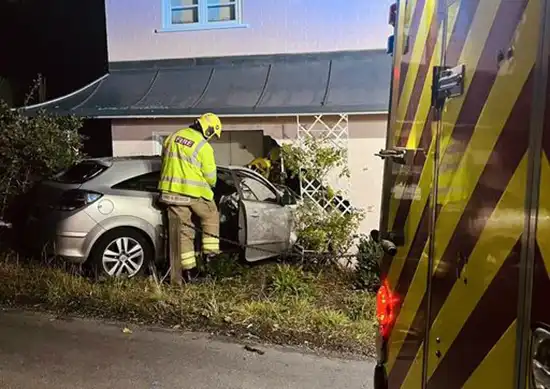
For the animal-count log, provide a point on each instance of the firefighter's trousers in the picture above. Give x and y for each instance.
(182, 232)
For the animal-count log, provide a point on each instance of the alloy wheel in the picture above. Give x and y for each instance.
(123, 257)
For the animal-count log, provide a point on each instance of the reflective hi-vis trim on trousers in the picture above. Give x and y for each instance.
(188, 260)
(210, 244)
(183, 208)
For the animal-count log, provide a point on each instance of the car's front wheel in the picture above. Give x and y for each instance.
(121, 253)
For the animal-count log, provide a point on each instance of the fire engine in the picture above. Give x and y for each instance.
(464, 300)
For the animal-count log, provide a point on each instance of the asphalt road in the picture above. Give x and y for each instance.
(40, 352)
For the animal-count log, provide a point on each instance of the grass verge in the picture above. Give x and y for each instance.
(276, 303)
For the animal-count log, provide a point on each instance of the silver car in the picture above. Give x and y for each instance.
(104, 212)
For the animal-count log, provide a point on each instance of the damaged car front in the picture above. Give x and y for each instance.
(265, 213)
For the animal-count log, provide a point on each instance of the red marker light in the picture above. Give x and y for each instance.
(385, 308)
(397, 72)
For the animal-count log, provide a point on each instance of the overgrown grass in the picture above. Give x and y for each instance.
(278, 303)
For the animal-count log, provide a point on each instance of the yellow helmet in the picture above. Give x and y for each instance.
(260, 165)
(210, 125)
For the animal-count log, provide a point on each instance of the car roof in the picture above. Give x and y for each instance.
(123, 168)
(148, 159)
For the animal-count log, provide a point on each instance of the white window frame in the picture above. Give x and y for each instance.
(203, 23)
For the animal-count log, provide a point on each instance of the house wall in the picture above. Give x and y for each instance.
(243, 140)
(282, 26)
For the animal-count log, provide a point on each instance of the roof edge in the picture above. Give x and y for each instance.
(120, 117)
(61, 98)
(235, 59)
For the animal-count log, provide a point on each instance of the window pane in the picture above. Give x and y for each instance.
(80, 173)
(145, 183)
(222, 13)
(185, 16)
(255, 190)
(184, 3)
(221, 2)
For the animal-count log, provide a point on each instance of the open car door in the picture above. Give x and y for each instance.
(265, 223)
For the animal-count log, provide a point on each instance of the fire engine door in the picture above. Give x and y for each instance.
(408, 185)
(483, 95)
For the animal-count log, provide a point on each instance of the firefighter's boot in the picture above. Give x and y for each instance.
(193, 276)
(209, 258)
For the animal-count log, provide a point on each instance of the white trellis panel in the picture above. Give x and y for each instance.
(332, 129)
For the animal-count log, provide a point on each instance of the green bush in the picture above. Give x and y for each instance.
(325, 231)
(315, 159)
(322, 225)
(369, 254)
(31, 148)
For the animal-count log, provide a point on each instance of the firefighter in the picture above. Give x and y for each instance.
(187, 180)
(270, 166)
(261, 165)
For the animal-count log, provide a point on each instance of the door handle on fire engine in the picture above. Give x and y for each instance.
(399, 155)
(389, 241)
(396, 155)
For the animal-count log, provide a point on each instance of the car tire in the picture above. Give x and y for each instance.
(121, 253)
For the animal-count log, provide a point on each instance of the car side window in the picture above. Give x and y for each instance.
(255, 190)
(143, 183)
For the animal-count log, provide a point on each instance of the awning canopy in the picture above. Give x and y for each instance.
(335, 82)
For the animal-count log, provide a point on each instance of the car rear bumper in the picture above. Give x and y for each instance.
(61, 235)
(71, 246)
(67, 245)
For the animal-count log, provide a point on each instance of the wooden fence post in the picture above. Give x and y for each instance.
(173, 247)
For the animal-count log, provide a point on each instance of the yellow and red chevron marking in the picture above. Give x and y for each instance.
(476, 242)
(410, 114)
(412, 38)
(418, 31)
(461, 115)
(541, 283)
(417, 227)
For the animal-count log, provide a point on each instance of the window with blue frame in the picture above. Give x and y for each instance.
(201, 14)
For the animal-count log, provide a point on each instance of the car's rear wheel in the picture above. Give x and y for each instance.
(121, 253)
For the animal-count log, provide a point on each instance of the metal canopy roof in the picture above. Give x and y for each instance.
(336, 82)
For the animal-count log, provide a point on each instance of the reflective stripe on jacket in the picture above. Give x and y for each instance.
(188, 165)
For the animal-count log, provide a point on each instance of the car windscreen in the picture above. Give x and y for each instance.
(80, 173)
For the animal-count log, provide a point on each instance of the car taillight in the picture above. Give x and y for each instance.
(75, 198)
(385, 308)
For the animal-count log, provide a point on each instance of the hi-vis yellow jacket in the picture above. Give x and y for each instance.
(188, 165)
